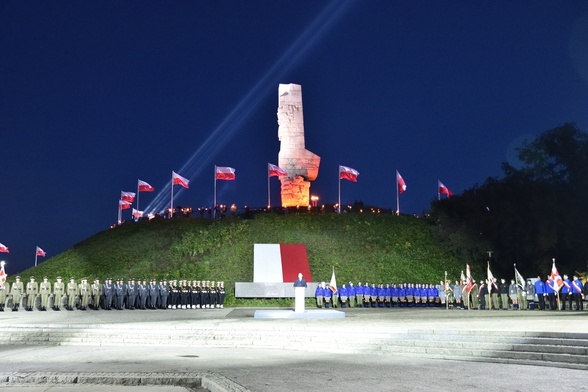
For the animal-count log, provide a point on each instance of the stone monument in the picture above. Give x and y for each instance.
(301, 165)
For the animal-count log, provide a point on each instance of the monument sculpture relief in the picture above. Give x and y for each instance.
(302, 165)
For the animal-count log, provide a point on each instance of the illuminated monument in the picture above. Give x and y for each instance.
(302, 165)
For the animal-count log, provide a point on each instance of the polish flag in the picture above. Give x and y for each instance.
(443, 190)
(275, 171)
(469, 279)
(124, 205)
(137, 213)
(400, 182)
(144, 187)
(556, 278)
(280, 263)
(333, 283)
(179, 180)
(41, 252)
(347, 173)
(3, 275)
(150, 216)
(4, 249)
(225, 173)
(127, 196)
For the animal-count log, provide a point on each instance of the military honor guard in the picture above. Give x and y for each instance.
(343, 295)
(32, 290)
(107, 294)
(174, 294)
(205, 295)
(58, 293)
(119, 294)
(195, 294)
(142, 294)
(72, 290)
(153, 294)
(16, 291)
(163, 294)
(4, 290)
(85, 292)
(45, 291)
(96, 291)
(213, 295)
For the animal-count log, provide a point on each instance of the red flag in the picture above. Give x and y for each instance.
(4, 249)
(3, 275)
(137, 213)
(124, 205)
(41, 252)
(333, 283)
(275, 171)
(443, 190)
(225, 173)
(556, 278)
(469, 279)
(144, 187)
(179, 180)
(347, 173)
(127, 196)
(400, 182)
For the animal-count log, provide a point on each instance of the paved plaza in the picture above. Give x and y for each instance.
(271, 369)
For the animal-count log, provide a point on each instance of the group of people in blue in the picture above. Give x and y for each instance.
(488, 294)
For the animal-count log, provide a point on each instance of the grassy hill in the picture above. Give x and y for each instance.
(361, 246)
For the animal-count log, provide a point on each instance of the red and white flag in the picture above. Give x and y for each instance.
(3, 275)
(556, 278)
(4, 249)
(150, 216)
(179, 180)
(347, 173)
(400, 182)
(127, 196)
(144, 187)
(225, 173)
(275, 171)
(333, 282)
(469, 279)
(124, 205)
(443, 190)
(137, 213)
(40, 252)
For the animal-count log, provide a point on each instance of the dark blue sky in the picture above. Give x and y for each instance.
(95, 95)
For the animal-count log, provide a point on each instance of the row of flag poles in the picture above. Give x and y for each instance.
(38, 253)
(226, 173)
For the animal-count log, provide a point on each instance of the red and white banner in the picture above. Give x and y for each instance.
(4, 249)
(137, 213)
(347, 173)
(333, 282)
(124, 205)
(274, 263)
(179, 180)
(142, 186)
(225, 173)
(40, 252)
(556, 278)
(469, 279)
(443, 190)
(275, 171)
(400, 182)
(127, 196)
(3, 275)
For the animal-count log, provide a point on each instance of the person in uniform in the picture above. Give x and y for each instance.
(85, 293)
(72, 290)
(540, 291)
(402, 295)
(359, 295)
(474, 291)
(153, 294)
(142, 293)
(576, 292)
(58, 293)
(107, 294)
(319, 294)
(457, 294)
(327, 294)
(213, 295)
(530, 290)
(163, 294)
(352, 293)
(16, 291)
(394, 295)
(119, 294)
(503, 291)
(512, 293)
(221, 294)
(96, 292)
(335, 297)
(174, 292)
(4, 290)
(550, 291)
(185, 294)
(343, 295)
(131, 291)
(45, 291)
(494, 288)
(195, 294)
(204, 297)
(32, 290)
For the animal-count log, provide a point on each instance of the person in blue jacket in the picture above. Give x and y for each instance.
(327, 294)
(352, 293)
(343, 295)
(550, 291)
(319, 294)
(540, 291)
(565, 292)
(576, 292)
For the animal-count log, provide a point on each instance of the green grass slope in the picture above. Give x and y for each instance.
(360, 246)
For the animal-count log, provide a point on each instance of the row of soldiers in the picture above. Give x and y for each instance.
(177, 294)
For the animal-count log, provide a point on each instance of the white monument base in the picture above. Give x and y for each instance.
(299, 299)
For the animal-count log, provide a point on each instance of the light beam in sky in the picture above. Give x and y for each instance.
(202, 157)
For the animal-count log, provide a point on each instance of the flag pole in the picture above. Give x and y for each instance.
(398, 198)
(171, 203)
(36, 255)
(438, 193)
(214, 198)
(557, 291)
(339, 205)
(138, 195)
(119, 214)
(268, 189)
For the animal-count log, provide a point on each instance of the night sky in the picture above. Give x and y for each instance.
(96, 95)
